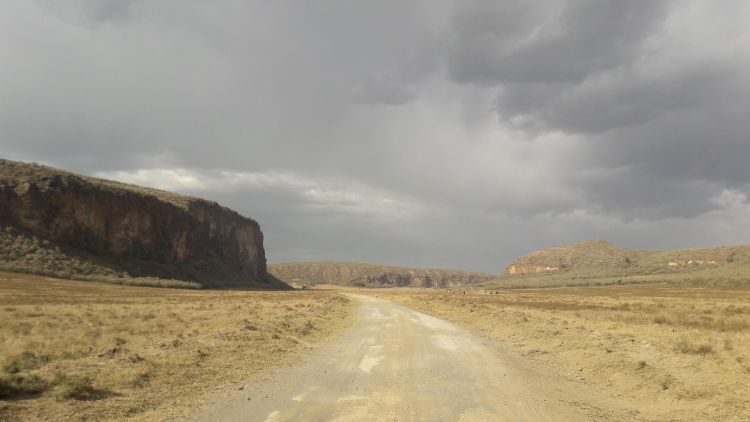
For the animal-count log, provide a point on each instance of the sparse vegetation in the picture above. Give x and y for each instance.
(676, 353)
(13, 386)
(25, 253)
(86, 351)
(79, 388)
(23, 172)
(598, 263)
(685, 346)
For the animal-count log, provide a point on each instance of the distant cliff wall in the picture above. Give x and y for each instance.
(146, 231)
(372, 275)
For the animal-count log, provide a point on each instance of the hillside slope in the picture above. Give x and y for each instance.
(599, 262)
(51, 218)
(593, 256)
(372, 275)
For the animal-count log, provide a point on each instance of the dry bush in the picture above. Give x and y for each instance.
(79, 388)
(14, 386)
(685, 346)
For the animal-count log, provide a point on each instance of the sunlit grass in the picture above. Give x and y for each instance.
(668, 352)
(87, 351)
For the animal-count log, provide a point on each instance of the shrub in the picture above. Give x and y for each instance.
(80, 388)
(18, 385)
(24, 362)
(684, 346)
(704, 349)
(307, 328)
(728, 345)
(142, 379)
(660, 319)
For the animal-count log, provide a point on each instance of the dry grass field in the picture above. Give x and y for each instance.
(85, 351)
(669, 353)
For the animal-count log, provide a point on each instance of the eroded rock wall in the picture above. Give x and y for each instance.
(373, 275)
(146, 231)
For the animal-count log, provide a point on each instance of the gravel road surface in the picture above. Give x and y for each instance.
(397, 364)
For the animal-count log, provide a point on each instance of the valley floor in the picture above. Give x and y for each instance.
(85, 351)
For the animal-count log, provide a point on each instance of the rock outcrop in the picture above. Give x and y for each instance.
(371, 275)
(141, 231)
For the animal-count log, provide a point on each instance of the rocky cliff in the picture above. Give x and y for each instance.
(138, 231)
(372, 275)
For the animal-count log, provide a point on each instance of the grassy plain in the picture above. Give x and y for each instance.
(87, 351)
(668, 353)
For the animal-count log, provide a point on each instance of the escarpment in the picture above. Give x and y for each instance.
(372, 275)
(137, 232)
(419, 278)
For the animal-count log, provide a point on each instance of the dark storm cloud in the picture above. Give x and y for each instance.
(548, 57)
(632, 193)
(547, 42)
(620, 98)
(440, 132)
(633, 80)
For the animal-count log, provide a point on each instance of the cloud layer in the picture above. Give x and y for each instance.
(439, 133)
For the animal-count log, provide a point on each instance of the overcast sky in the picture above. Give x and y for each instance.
(453, 134)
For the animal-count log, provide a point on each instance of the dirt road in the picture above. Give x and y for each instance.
(397, 364)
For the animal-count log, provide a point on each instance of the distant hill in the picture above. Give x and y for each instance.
(592, 256)
(54, 222)
(372, 275)
(600, 262)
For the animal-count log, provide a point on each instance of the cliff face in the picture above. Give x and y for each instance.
(431, 278)
(143, 231)
(371, 275)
